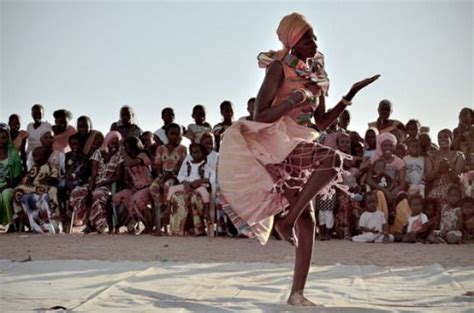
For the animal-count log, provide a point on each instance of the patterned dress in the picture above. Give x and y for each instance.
(190, 204)
(167, 164)
(94, 211)
(260, 162)
(38, 201)
(440, 186)
(137, 199)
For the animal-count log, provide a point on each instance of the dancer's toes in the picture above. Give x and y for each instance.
(298, 299)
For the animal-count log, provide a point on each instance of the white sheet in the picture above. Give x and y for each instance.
(98, 286)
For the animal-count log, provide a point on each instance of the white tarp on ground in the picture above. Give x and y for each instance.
(98, 286)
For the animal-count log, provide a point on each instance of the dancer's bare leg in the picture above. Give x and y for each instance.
(305, 228)
(317, 181)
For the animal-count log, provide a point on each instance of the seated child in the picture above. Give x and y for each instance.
(415, 168)
(372, 223)
(451, 222)
(190, 200)
(148, 141)
(417, 228)
(36, 196)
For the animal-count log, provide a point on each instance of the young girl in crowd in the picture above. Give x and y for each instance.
(207, 140)
(168, 160)
(136, 198)
(413, 130)
(90, 201)
(36, 196)
(200, 126)
(451, 223)
(190, 200)
(35, 129)
(383, 123)
(415, 168)
(149, 145)
(250, 107)
(227, 113)
(62, 131)
(417, 229)
(90, 139)
(56, 158)
(370, 143)
(372, 223)
(126, 124)
(10, 174)
(167, 115)
(18, 137)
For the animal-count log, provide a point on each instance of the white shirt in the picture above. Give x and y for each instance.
(212, 159)
(372, 220)
(194, 173)
(34, 135)
(415, 222)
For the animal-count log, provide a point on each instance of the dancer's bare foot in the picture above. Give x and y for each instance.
(286, 231)
(298, 299)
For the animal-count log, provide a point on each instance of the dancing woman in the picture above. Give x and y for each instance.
(270, 167)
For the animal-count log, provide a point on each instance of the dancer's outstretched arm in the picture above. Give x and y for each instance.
(323, 118)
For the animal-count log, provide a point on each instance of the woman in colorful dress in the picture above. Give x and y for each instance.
(136, 198)
(10, 175)
(168, 160)
(36, 197)
(90, 201)
(444, 168)
(271, 165)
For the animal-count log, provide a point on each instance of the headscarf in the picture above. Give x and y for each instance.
(109, 137)
(14, 165)
(290, 30)
(384, 137)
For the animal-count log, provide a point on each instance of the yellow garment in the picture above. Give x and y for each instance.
(382, 204)
(402, 213)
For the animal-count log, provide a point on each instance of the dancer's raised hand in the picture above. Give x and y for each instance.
(360, 85)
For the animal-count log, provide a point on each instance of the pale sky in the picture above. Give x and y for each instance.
(92, 57)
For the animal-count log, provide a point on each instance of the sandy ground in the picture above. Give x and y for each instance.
(204, 249)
